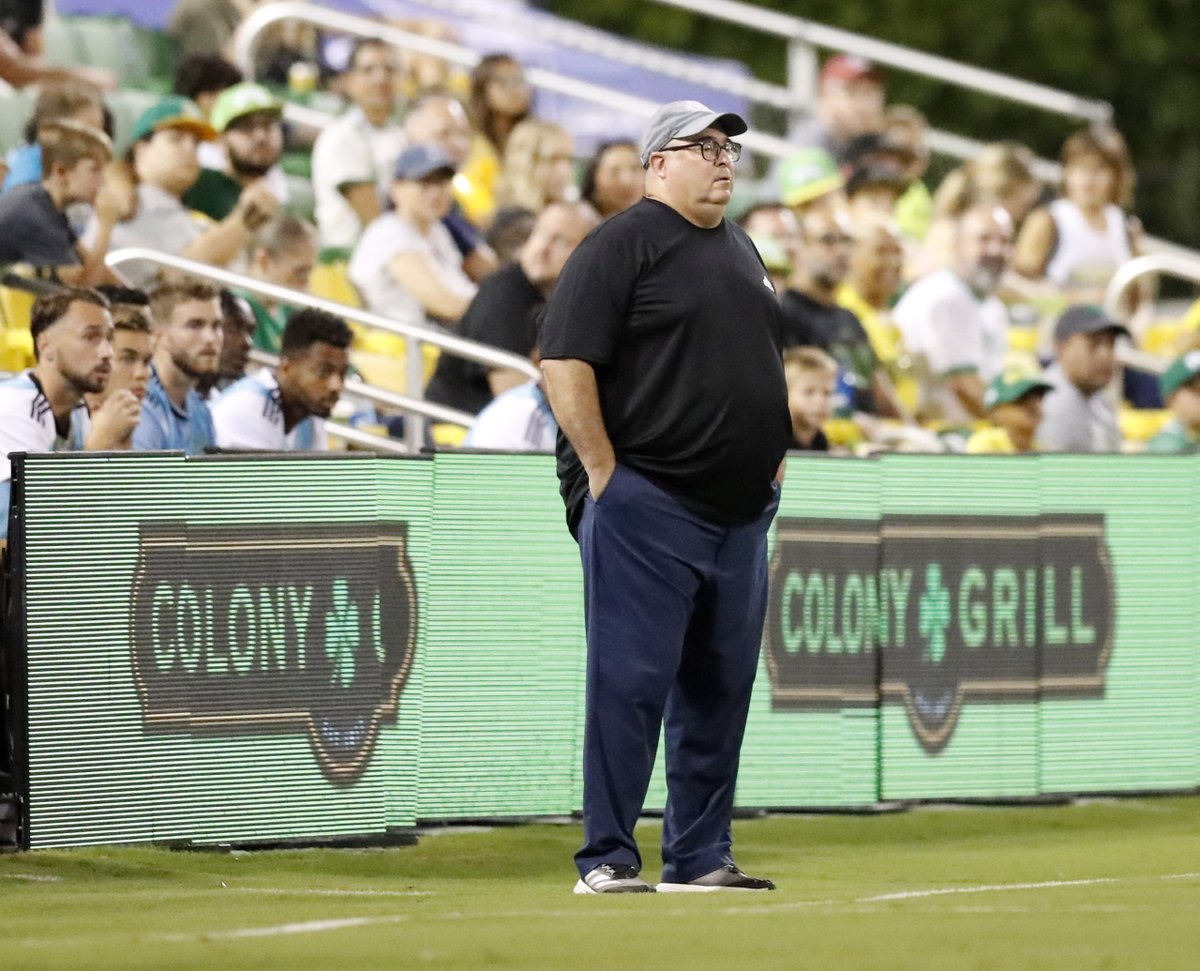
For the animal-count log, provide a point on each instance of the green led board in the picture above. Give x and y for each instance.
(240, 649)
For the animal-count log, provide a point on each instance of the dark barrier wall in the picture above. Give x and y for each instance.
(268, 648)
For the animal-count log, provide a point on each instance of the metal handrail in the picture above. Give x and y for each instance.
(792, 28)
(248, 33)
(348, 433)
(381, 396)
(674, 66)
(1183, 267)
(415, 334)
(947, 143)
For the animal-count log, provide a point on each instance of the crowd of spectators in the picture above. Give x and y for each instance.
(955, 317)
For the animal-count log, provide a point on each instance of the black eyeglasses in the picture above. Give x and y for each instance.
(710, 149)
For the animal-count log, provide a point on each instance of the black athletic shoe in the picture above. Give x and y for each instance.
(612, 878)
(728, 877)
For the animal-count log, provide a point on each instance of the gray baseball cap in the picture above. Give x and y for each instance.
(1085, 319)
(678, 119)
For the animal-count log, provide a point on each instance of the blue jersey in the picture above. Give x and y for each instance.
(163, 427)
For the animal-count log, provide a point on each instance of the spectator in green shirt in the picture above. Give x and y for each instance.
(1180, 386)
(248, 121)
(283, 253)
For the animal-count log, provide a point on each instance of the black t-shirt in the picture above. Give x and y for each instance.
(33, 231)
(837, 331)
(504, 315)
(683, 329)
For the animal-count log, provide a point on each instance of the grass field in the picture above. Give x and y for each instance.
(1102, 884)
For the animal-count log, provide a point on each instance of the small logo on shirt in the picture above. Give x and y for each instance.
(767, 283)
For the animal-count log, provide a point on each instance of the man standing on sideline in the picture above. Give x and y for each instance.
(288, 411)
(188, 330)
(661, 352)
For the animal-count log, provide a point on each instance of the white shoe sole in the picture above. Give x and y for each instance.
(581, 887)
(693, 888)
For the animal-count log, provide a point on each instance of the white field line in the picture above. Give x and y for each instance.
(279, 930)
(987, 888)
(30, 877)
(317, 892)
(828, 906)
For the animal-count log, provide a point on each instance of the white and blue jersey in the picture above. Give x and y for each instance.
(518, 420)
(249, 414)
(163, 427)
(27, 425)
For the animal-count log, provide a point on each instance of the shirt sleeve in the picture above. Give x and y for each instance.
(342, 158)
(587, 311)
(241, 420)
(503, 424)
(18, 433)
(151, 432)
(501, 316)
(956, 342)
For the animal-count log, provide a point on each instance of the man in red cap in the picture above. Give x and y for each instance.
(850, 102)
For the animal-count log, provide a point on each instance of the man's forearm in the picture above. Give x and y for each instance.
(575, 399)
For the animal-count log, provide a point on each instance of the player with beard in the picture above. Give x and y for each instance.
(42, 409)
(287, 411)
(248, 119)
(812, 315)
(188, 329)
(952, 321)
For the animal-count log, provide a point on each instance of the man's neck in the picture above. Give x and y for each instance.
(293, 411)
(706, 217)
(377, 115)
(804, 434)
(872, 297)
(62, 395)
(174, 381)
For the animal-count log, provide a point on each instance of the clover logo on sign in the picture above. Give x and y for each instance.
(341, 635)
(934, 616)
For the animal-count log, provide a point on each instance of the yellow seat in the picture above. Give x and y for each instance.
(331, 281)
(1164, 338)
(446, 435)
(16, 341)
(1023, 340)
(1142, 424)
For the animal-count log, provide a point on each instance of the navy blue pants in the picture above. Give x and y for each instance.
(674, 608)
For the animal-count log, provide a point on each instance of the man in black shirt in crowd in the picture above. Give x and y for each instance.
(661, 353)
(813, 318)
(504, 311)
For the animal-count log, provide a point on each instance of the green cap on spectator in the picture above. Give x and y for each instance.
(173, 112)
(1013, 384)
(773, 254)
(1179, 373)
(807, 174)
(240, 100)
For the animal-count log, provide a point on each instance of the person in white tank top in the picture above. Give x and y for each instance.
(1078, 242)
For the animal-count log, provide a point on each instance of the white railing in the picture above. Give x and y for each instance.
(804, 36)
(1152, 264)
(418, 410)
(251, 28)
